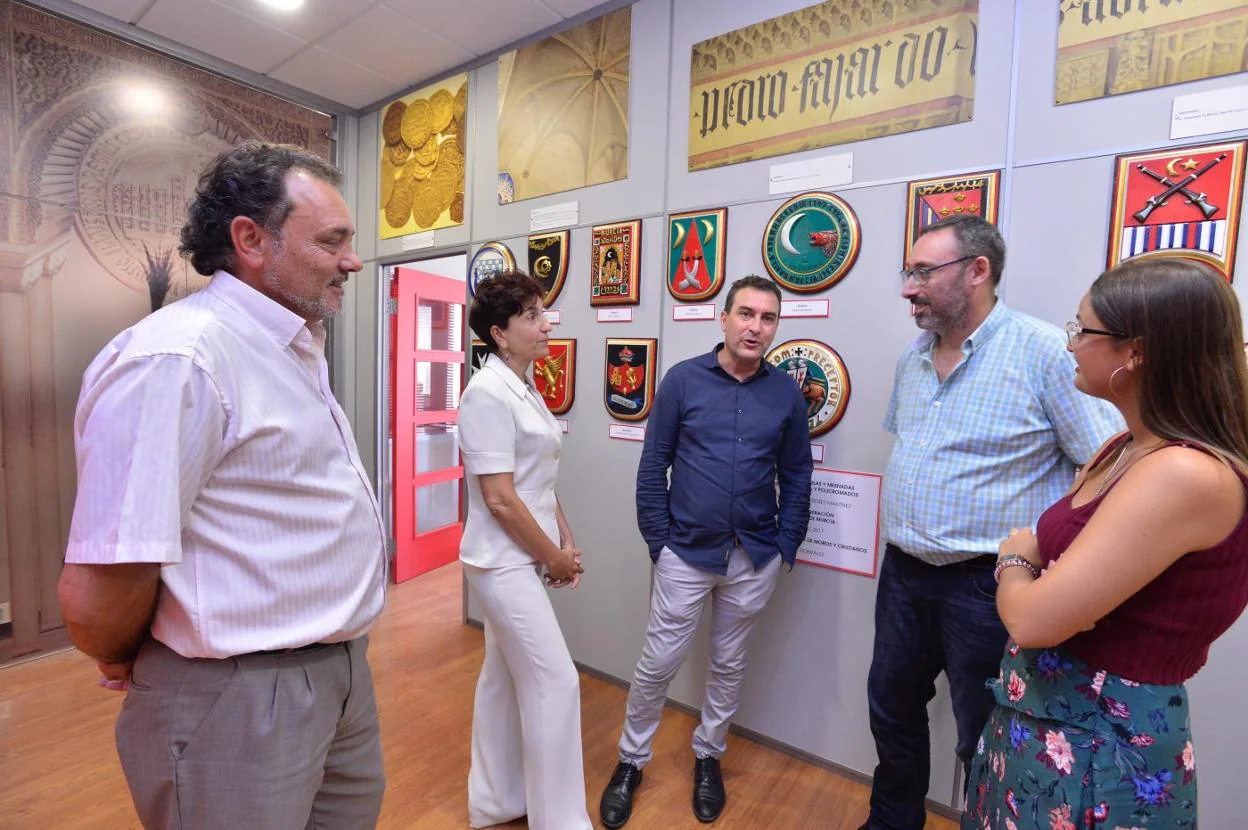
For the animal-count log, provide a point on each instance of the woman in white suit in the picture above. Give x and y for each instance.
(526, 720)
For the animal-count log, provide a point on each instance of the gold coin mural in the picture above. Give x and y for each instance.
(421, 165)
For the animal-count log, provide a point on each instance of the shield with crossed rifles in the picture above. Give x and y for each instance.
(1180, 201)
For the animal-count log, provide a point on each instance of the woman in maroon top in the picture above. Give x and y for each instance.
(1112, 604)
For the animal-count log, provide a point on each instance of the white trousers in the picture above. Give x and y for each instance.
(680, 591)
(526, 717)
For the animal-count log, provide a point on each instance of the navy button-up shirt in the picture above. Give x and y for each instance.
(726, 442)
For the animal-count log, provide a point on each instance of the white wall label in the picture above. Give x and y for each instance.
(552, 316)
(1216, 111)
(844, 531)
(681, 313)
(811, 174)
(615, 315)
(563, 424)
(804, 308)
(626, 432)
(816, 452)
(417, 241)
(555, 216)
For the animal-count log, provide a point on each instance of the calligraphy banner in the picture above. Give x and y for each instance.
(832, 73)
(1107, 47)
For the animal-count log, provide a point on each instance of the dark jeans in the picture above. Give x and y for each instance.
(928, 619)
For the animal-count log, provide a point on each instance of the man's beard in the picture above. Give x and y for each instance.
(952, 318)
(317, 308)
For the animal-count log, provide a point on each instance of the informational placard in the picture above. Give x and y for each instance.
(1203, 113)
(626, 432)
(562, 215)
(844, 531)
(418, 241)
(685, 313)
(820, 173)
(816, 453)
(615, 315)
(804, 308)
(563, 424)
(552, 316)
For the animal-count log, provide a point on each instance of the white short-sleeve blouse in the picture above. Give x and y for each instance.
(505, 427)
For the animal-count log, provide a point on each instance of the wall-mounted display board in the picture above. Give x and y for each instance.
(1180, 201)
(930, 200)
(695, 254)
(555, 376)
(563, 110)
(548, 261)
(821, 375)
(1107, 47)
(811, 242)
(423, 139)
(615, 264)
(628, 390)
(828, 74)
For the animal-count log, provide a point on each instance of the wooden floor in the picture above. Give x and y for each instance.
(58, 767)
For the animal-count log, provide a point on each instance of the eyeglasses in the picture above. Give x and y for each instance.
(924, 275)
(1076, 332)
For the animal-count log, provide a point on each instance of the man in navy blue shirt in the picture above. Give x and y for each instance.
(728, 426)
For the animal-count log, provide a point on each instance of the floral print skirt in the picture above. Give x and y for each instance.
(1069, 747)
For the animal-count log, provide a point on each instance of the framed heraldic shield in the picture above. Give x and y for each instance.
(811, 242)
(695, 254)
(490, 259)
(548, 261)
(930, 200)
(479, 354)
(629, 388)
(615, 264)
(1181, 201)
(821, 375)
(555, 375)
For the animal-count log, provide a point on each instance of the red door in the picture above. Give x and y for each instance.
(426, 382)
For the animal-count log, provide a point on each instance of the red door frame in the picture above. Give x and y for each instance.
(418, 553)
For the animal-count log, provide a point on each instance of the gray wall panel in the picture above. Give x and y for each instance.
(807, 683)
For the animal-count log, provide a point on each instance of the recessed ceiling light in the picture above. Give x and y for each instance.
(284, 5)
(143, 100)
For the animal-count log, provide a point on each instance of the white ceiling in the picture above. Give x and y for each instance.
(353, 52)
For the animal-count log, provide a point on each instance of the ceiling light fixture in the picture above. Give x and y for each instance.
(284, 5)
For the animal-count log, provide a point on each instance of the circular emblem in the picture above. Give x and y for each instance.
(490, 259)
(820, 373)
(811, 242)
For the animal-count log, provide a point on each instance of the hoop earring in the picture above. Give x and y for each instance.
(1113, 375)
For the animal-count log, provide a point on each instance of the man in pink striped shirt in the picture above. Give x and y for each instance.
(227, 554)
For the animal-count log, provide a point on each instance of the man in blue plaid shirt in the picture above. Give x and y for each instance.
(990, 429)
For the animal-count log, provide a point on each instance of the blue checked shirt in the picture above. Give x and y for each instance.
(993, 446)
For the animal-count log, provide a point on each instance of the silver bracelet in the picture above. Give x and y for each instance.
(1013, 560)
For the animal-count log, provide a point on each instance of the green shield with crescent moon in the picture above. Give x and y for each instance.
(695, 254)
(811, 242)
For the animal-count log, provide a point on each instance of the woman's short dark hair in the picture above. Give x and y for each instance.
(249, 180)
(1193, 384)
(498, 299)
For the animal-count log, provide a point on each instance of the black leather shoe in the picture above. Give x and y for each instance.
(708, 790)
(617, 799)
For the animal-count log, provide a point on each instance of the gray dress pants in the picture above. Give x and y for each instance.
(282, 741)
(676, 602)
